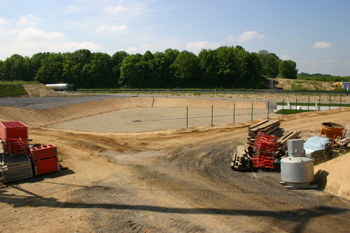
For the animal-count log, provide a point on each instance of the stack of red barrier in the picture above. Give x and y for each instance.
(265, 147)
(16, 146)
(45, 159)
(14, 134)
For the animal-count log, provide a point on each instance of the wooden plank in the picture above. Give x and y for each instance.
(257, 124)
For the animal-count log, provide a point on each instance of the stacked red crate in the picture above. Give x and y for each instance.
(45, 159)
(265, 147)
(14, 134)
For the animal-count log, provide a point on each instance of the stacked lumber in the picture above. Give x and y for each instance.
(18, 167)
(241, 159)
(266, 127)
(248, 156)
(282, 141)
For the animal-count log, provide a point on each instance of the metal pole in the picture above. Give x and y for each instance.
(308, 103)
(268, 109)
(186, 117)
(212, 115)
(319, 103)
(282, 107)
(340, 101)
(234, 114)
(252, 111)
(329, 106)
(296, 105)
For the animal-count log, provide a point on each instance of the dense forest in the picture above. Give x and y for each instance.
(224, 67)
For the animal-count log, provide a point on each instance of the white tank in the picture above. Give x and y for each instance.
(296, 169)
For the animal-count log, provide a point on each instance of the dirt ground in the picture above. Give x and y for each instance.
(176, 180)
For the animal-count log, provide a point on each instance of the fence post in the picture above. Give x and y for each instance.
(282, 107)
(268, 109)
(186, 117)
(329, 106)
(212, 115)
(308, 103)
(234, 114)
(252, 111)
(319, 103)
(340, 102)
(296, 105)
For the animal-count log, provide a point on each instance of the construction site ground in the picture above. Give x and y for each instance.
(175, 180)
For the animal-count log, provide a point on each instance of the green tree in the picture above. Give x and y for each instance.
(15, 68)
(2, 73)
(208, 63)
(51, 69)
(227, 67)
(117, 60)
(269, 63)
(73, 67)
(130, 72)
(98, 71)
(287, 69)
(186, 69)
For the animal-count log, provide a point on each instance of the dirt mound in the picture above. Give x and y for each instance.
(334, 176)
(35, 90)
(74, 111)
(288, 84)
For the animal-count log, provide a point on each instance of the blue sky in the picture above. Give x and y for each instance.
(314, 33)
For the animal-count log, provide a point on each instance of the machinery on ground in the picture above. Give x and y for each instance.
(341, 86)
(61, 86)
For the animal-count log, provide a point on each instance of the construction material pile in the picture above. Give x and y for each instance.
(266, 144)
(19, 160)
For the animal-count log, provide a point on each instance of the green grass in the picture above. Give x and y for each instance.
(7, 90)
(313, 104)
(12, 89)
(291, 111)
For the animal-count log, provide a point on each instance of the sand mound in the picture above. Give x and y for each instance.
(35, 90)
(334, 176)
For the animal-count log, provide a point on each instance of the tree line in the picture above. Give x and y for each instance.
(224, 67)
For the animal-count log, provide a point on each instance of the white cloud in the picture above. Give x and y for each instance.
(323, 45)
(115, 9)
(28, 20)
(106, 28)
(2, 21)
(73, 46)
(31, 40)
(199, 45)
(35, 34)
(246, 36)
(7, 33)
(330, 61)
(132, 49)
(286, 57)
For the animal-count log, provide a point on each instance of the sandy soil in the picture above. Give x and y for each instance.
(175, 180)
(38, 90)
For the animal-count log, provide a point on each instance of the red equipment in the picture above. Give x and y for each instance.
(265, 148)
(45, 159)
(14, 134)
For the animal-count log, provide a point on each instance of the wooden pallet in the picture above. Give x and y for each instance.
(19, 167)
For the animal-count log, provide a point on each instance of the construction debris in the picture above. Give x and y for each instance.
(318, 148)
(266, 144)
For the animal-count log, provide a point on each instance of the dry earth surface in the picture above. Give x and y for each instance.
(167, 181)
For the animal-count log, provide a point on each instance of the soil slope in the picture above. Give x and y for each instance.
(165, 181)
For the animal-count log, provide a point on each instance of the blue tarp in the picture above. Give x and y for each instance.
(315, 144)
